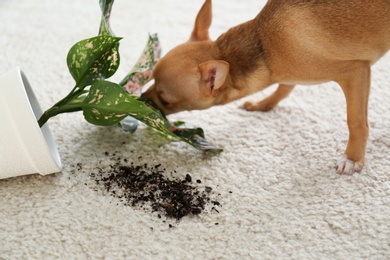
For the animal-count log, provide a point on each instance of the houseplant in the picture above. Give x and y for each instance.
(92, 61)
(27, 143)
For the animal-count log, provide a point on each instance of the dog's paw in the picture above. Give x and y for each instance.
(264, 105)
(348, 167)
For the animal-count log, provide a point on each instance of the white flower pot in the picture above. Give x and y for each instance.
(25, 148)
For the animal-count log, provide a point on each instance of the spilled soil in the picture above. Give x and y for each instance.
(152, 188)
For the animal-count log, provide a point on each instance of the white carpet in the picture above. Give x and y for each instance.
(286, 201)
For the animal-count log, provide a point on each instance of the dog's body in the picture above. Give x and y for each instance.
(289, 42)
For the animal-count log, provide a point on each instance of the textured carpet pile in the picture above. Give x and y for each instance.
(279, 194)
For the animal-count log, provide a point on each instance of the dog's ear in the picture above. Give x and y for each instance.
(202, 23)
(213, 76)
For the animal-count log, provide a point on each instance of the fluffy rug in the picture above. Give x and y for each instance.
(275, 181)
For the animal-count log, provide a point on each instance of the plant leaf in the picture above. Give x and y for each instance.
(108, 103)
(105, 28)
(93, 59)
(195, 137)
(142, 72)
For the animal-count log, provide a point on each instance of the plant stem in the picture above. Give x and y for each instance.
(70, 103)
(55, 110)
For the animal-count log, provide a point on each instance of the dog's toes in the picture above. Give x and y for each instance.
(248, 106)
(258, 106)
(348, 167)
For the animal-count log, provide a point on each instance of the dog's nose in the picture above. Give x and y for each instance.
(143, 95)
(149, 95)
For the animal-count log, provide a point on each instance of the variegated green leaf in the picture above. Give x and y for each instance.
(142, 72)
(105, 6)
(108, 103)
(92, 59)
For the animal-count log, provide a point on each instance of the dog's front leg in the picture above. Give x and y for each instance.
(356, 87)
(269, 102)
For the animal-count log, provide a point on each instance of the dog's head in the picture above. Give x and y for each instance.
(190, 76)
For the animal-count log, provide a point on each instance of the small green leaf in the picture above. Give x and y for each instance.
(194, 137)
(93, 59)
(178, 123)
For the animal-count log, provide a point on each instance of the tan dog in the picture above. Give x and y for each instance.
(289, 42)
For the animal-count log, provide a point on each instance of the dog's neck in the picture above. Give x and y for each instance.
(241, 47)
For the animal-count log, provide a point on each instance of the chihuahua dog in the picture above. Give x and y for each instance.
(289, 42)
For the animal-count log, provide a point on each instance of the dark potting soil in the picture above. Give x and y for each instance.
(149, 188)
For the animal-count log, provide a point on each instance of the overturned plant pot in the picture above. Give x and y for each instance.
(25, 148)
